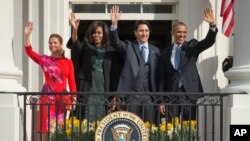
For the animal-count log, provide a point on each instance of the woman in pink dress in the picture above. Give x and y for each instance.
(58, 72)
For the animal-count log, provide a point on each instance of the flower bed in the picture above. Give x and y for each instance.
(174, 131)
(74, 130)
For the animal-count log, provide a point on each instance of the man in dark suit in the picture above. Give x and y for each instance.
(179, 71)
(139, 73)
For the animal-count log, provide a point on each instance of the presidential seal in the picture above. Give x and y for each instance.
(121, 126)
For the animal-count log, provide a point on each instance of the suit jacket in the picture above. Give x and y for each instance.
(131, 78)
(188, 72)
(84, 56)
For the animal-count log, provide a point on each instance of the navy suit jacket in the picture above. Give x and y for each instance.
(188, 72)
(131, 78)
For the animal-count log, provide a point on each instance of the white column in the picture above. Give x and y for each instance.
(238, 105)
(9, 108)
(8, 71)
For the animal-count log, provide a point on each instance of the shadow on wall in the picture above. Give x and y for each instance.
(207, 69)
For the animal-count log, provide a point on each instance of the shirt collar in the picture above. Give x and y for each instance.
(176, 45)
(145, 44)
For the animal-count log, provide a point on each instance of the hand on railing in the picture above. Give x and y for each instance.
(115, 105)
(68, 114)
(74, 103)
(34, 99)
(162, 108)
(72, 107)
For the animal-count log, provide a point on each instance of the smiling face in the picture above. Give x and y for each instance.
(142, 33)
(179, 32)
(97, 36)
(55, 46)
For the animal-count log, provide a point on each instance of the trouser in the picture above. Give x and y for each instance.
(142, 106)
(183, 106)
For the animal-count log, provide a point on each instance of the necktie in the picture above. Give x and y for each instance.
(177, 57)
(143, 53)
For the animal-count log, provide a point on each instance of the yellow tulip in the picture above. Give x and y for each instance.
(170, 126)
(68, 131)
(163, 128)
(193, 123)
(68, 122)
(176, 121)
(76, 123)
(147, 124)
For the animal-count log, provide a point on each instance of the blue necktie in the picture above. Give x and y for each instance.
(143, 52)
(177, 57)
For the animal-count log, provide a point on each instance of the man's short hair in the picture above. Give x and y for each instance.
(178, 24)
(140, 22)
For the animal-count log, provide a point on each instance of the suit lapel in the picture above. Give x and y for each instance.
(184, 61)
(135, 46)
(151, 56)
(152, 63)
(169, 55)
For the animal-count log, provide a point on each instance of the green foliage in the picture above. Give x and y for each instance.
(74, 130)
(174, 131)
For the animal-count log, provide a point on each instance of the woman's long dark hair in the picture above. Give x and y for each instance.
(92, 28)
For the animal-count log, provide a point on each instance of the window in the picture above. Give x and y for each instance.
(88, 8)
(149, 8)
(137, 8)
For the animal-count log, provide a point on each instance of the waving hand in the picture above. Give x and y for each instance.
(208, 16)
(115, 15)
(75, 24)
(27, 31)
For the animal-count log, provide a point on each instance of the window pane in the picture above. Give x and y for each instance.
(157, 8)
(89, 8)
(127, 8)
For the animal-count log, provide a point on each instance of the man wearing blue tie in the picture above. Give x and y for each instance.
(139, 73)
(178, 65)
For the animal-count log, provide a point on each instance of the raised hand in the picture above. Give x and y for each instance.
(28, 28)
(208, 16)
(27, 31)
(75, 24)
(115, 15)
(73, 21)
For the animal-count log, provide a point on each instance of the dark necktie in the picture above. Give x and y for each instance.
(143, 52)
(177, 57)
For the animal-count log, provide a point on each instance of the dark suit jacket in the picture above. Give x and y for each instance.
(84, 56)
(131, 77)
(188, 70)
